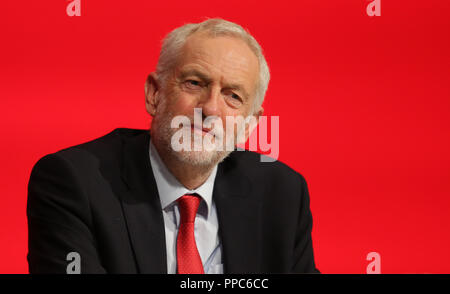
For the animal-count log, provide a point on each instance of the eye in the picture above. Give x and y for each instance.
(233, 99)
(235, 96)
(192, 84)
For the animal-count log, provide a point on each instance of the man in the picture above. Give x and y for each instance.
(128, 202)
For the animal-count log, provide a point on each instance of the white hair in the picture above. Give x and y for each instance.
(175, 40)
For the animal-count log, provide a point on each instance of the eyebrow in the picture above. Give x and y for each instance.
(195, 72)
(207, 79)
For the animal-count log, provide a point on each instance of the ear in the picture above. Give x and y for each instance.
(152, 93)
(250, 127)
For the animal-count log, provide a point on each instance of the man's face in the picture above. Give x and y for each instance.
(218, 75)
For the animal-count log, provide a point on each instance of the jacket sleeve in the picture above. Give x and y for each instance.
(59, 219)
(303, 251)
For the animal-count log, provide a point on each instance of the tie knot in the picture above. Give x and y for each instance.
(188, 205)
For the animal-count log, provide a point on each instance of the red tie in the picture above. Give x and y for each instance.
(188, 258)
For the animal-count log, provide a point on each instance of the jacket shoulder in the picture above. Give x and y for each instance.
(110, 141)
(105, 150)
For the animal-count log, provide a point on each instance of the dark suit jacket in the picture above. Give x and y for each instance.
(100, 199)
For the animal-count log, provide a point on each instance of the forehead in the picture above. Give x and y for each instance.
(224, 57)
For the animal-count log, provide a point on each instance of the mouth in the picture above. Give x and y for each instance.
(200, 129)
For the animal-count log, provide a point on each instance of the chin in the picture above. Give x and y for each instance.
(201, 158)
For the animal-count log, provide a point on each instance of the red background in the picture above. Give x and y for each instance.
(364, 106)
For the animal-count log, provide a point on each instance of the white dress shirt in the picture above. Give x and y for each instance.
(206, 223)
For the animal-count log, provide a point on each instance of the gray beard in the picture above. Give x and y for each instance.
(162, 135)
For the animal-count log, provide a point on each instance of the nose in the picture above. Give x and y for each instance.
(210, 103)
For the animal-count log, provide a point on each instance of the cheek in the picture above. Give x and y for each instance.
(180, 103)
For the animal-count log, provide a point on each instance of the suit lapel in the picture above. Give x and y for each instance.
(239, 219)
(142, 207)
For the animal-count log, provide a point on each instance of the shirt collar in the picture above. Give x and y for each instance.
(170, 189)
